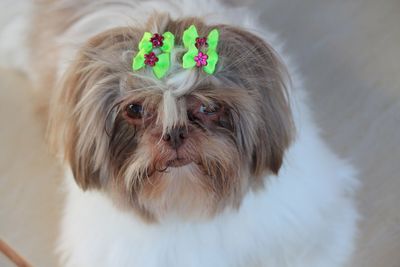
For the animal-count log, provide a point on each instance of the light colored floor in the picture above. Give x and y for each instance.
(349, 54)
(30, 202)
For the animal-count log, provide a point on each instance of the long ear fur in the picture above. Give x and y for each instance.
(252, 63)
(82, 104)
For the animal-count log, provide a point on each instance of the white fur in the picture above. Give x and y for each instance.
(305, 217)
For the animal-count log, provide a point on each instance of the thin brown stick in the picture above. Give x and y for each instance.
(13, 255)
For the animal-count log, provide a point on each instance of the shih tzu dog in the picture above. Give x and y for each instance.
(184, 140)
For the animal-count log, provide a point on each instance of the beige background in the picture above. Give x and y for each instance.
(349, 54)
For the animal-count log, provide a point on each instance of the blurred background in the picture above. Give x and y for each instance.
(349, 55)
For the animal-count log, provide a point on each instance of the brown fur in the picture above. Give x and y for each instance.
(230, 153)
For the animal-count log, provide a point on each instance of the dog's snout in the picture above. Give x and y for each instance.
(176, 137)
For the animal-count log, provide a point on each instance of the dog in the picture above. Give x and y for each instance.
(175, 160)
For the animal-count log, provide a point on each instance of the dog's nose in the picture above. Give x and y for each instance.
(176, 137)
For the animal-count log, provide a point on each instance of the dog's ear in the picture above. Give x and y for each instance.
(252, 63)
(81, 106)
(65, 128)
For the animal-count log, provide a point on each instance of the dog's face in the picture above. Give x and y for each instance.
(188, 145)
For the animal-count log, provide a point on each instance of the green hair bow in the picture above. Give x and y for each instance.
(148, 47)
(195, 56)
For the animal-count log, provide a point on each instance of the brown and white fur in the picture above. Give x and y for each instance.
(248, 184)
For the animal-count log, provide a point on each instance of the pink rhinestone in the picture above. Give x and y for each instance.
(201, 59)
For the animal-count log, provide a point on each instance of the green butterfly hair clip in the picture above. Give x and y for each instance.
(202, 51)
(154, 51)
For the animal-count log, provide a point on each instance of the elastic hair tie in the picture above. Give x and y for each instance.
(202, 51)
(154, 51)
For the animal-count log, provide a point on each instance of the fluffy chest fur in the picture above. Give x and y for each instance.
(304, 217)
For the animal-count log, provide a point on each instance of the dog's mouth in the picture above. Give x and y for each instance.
(178, 162)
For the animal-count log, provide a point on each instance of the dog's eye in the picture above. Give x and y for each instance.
(208, 110)
(134, 111)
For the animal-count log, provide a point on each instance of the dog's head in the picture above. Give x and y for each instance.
(190, 144)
